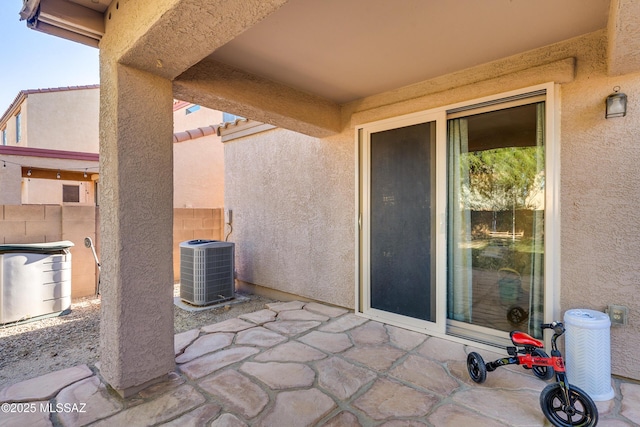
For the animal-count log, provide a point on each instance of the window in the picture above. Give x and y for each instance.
(229, 118)
(4, 136)
(18, 127)
(71, 193)
(192, 109)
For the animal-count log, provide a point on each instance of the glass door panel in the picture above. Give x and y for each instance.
(495, 251)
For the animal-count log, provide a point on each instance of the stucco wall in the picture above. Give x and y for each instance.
(64, 120)
(10, 184)
(198, 173)
(49, 192)
(600, 203)
(293, 196)
(202, 117)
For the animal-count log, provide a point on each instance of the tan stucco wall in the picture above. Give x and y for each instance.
(63, 120)
(198, 173)
(10, 184)
(49, 192)
(293, 195)
(202, 117)
(292, 198)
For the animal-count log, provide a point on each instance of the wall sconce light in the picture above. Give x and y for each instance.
(29, 172)
(58, 175)
(616, 104)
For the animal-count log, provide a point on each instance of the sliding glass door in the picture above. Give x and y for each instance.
(454, 218)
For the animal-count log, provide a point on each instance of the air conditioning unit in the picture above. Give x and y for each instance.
(206, 271)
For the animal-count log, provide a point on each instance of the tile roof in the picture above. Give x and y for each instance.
(194, 133)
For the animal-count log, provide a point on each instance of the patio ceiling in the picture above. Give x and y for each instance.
(295, 63)
(347, 50)
(343, 50)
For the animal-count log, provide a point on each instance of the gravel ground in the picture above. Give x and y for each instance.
(35, 348)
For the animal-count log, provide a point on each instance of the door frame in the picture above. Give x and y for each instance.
(552, 211)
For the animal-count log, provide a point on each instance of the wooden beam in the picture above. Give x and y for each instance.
(65, 175)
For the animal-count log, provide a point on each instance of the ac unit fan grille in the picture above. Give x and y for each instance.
(206, 272)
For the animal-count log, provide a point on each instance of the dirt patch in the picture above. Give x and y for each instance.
(32, 349)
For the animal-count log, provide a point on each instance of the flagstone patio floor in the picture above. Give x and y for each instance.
(303, 364)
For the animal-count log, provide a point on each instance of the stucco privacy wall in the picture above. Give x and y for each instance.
(48, 223)
(189, 224)
(293, 195)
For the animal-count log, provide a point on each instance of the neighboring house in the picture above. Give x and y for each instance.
(50, 147)
(49, 156)
(394, 120)
(49, 150)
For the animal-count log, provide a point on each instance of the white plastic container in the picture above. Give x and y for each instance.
(588, 352)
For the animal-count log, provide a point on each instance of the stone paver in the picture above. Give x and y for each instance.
(325, 310)
(298, 408)
(371, 333)
(379, 357)
(196, 418)
(426, 374)
(454, 415)
(403, 338)
(260, 317)
(229, 325)
(238, 393)
(343, 323)
(341, 378)
(301, 315)
(333, 343)
(631, 401)
(44, 387)
(291, 351)
(182, 340)
(290, 327)
(285, 306)
(391, 399)
(343, 419)
(92, 399)
(524, 405)
(278, 368)
(37, 418)
(205, 344)
(280, 376)
(260, 337)
(228, 420)
(206, 365)
(181, 400)
(443, 350)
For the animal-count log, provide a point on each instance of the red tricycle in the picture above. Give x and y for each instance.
(563, 404)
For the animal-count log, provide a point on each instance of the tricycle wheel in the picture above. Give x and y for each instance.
(579, 411)
(545, 373)
(476, 367)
